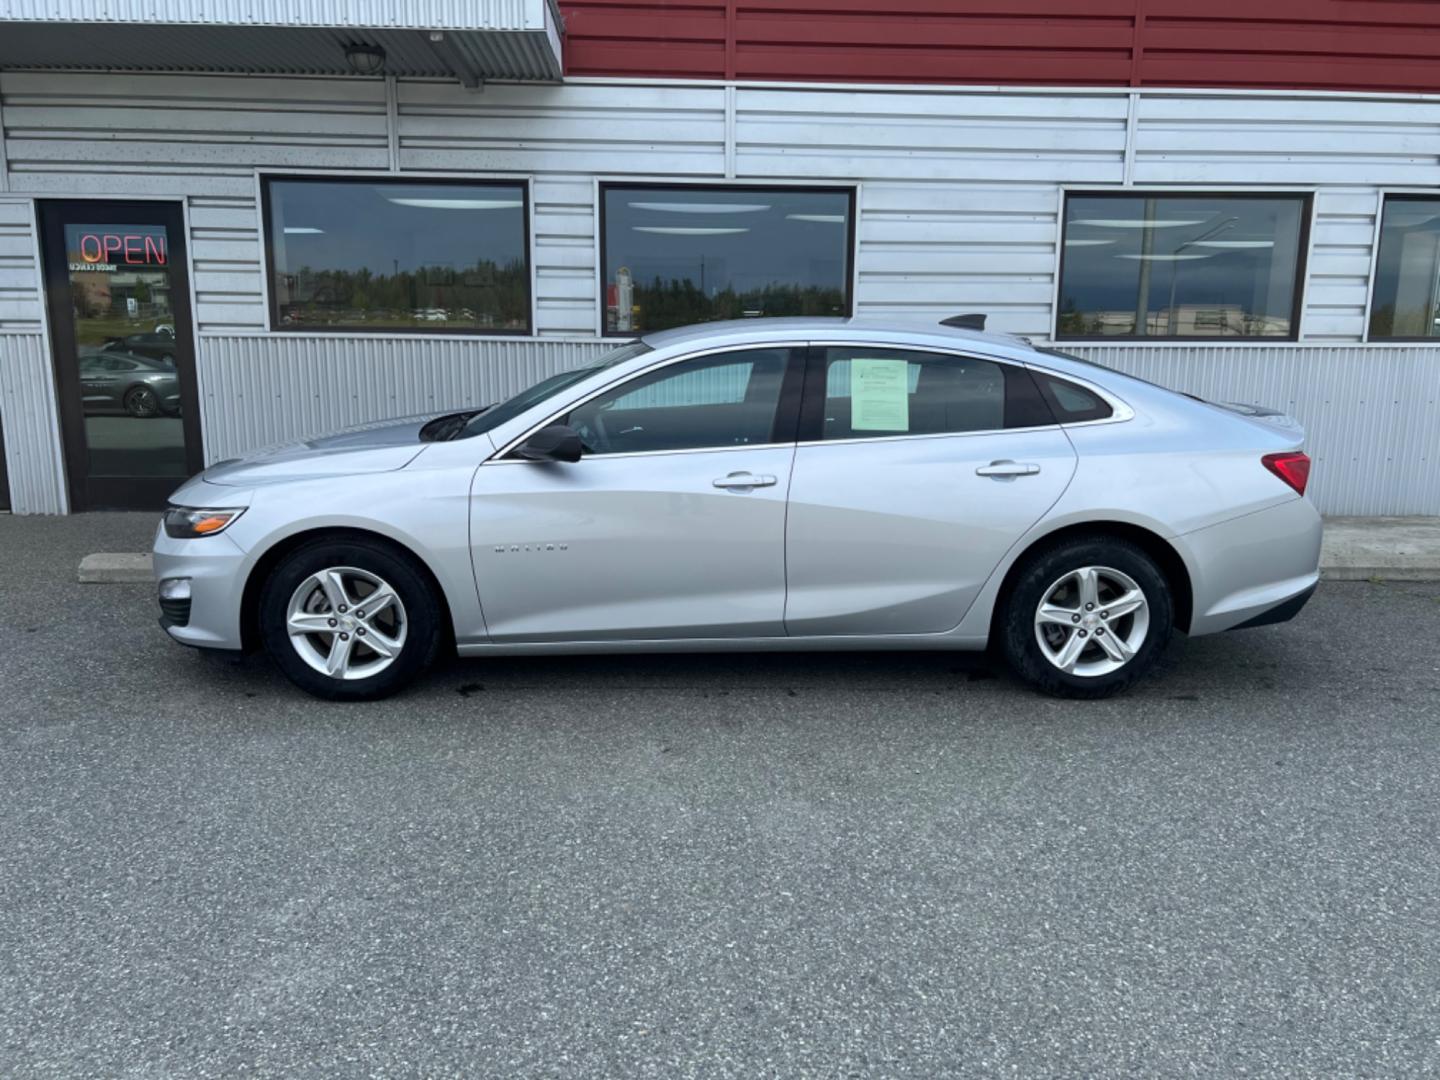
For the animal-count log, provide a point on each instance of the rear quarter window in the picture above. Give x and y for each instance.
(1070, 402)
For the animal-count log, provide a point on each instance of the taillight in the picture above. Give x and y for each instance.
(1293, 467)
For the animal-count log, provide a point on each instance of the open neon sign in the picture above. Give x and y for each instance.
(131, 249)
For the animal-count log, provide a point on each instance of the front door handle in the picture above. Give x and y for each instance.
(745, 480)
(1006, 468)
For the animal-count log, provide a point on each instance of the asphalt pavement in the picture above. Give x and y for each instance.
(890, 865)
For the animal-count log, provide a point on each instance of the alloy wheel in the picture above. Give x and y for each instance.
(346, 623)
(1092, 621)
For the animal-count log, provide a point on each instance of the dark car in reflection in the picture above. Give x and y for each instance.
(158, 344)
(120, 382)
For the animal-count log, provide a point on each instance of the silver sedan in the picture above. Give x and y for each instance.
(768, 484)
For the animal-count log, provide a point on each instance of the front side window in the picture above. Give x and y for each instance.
(877, 392)
(680, 255)
(1406, 302)
(730, 400)
(382, 255)
(1181, 266)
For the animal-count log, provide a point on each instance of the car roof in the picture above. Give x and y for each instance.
(800, 329)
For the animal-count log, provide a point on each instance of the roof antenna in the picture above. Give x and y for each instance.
(965, 322)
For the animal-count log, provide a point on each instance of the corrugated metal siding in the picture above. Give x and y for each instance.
(263, 390)
(20, 297)
(32, 444)
(1387, 45)
(1372, 415)
(414, 14)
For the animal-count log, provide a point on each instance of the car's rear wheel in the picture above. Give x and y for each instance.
(350, 620)
(142, 402)
(1086, 617)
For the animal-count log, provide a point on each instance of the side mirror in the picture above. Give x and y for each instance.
(554, 443)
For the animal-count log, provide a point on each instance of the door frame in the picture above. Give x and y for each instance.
(116, 492)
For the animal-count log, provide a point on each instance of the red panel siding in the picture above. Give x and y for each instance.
(1314, 44)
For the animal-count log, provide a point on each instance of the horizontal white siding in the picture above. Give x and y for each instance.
(200, 136)
(27, 413)
(959, 195)
(1250, 140)
(1341, 243)
(1371, 415)
(257, 391)
(929, 251)
(20, 292)
(563, 136)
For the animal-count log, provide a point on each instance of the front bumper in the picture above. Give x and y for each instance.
(215, 568)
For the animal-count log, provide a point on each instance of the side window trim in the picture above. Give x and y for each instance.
(789, 401)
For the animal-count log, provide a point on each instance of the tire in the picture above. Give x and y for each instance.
(141, 402)
(1059, 576)
(300, 591)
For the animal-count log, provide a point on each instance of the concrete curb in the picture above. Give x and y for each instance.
(117, 568)
(1381, 548)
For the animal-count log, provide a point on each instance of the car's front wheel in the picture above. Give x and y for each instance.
(1086, 617)
(352, 619)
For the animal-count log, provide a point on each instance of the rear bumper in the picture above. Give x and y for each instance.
(1255, 569)
(1281, 612)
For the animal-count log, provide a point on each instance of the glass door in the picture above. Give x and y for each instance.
(119, 304)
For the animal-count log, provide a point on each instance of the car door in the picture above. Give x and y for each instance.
(672, 524)
(915, 472)
(102, 382)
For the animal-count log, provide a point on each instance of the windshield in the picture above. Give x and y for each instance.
(496, 415)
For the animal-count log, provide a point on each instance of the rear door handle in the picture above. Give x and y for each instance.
(745, 480)
(1008, 468)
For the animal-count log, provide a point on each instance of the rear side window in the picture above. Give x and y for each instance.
(876, 392)
(1071, 404)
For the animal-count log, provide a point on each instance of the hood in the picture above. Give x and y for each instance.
(370, 448)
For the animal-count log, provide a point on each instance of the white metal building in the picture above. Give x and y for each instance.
(959, 205)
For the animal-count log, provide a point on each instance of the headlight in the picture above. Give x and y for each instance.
(182, 523)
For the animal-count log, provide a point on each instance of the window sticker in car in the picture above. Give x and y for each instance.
(879, 394)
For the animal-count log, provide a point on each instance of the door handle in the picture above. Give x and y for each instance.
(1006, 469)
(745, 480)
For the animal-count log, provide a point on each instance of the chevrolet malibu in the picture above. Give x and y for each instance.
(767, 484)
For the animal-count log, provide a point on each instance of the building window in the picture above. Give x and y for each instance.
(679, 255)
(388, 255)
(1181, 266)
(1406, 301)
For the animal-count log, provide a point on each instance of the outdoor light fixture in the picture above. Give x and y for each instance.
(365, 59)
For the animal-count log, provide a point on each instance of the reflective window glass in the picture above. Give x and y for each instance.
(680, 255)
(398, 255)
(1181, 266)
(1406, 303)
